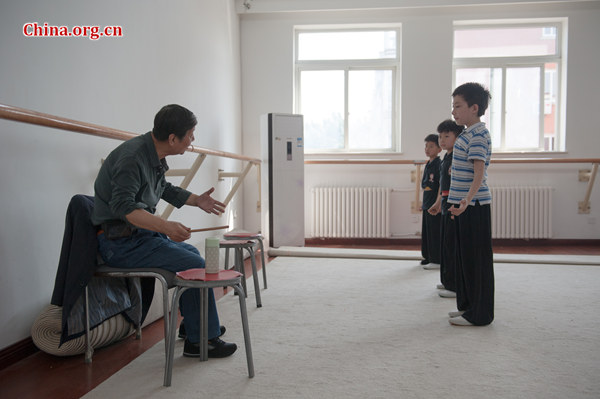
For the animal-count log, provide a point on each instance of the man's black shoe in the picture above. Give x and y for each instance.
(182, 334)
(216, 348)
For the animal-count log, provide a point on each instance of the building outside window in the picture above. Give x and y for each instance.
(346, 86)
(522, 65)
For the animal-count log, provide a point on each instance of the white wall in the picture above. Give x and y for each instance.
(188, 52)
(267, 86)
(182, 51)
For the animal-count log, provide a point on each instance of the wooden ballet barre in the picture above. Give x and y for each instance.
(420, 162)
(37, 118)
(209, 229)
(362, 162)
(545, 160)
(57, 122)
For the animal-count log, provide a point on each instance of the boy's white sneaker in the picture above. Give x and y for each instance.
(460, 321)
(456, 313)
(431, 266)
(440, 287)
(447, 294)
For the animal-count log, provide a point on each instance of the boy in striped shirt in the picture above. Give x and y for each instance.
(471, 197)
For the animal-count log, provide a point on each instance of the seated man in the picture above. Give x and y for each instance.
(129, 185)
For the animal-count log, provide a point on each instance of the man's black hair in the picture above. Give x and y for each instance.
(173, 119)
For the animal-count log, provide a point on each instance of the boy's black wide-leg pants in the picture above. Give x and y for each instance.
(475, 265)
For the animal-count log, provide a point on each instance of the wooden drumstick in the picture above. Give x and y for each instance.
(209, 229)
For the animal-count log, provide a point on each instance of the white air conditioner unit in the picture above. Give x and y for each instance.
(282, 179)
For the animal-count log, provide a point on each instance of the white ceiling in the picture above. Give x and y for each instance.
(271, 6)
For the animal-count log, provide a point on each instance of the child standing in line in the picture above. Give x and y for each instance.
(448, 131)
(471, 199)
(430, 224)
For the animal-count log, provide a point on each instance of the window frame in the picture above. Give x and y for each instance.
(504, 63)
(346, 65)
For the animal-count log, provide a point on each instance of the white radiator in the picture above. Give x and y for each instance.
(361, 212)
(521, 212)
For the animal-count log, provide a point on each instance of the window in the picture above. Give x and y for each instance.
(521, 65)
(346, 88)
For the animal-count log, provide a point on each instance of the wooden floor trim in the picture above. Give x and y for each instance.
(17, 352)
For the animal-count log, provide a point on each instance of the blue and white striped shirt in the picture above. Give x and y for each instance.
(474, 143)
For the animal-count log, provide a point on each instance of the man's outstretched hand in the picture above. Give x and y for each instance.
(208, 203)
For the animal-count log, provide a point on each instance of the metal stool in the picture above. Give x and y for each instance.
(197, 278)
(238, 264)
(242, 235)
(165, 277)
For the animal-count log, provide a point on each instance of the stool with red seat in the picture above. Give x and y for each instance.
(238, 246)
(198, 278)
(244, 235)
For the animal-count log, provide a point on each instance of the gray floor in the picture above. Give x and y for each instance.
(356, 328)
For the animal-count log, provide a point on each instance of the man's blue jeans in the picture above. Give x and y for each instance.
(147, 248)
